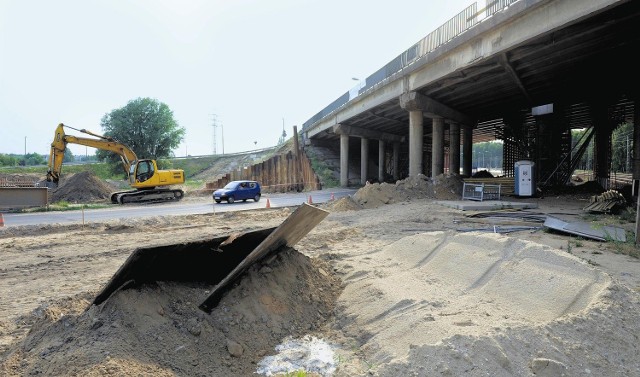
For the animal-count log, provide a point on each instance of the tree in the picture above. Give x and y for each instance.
(8, 160)
(622, 148)
(487, 155)
(32, 159)
(146, 126)
(68, 156)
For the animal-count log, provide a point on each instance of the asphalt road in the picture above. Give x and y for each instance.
(162, 209)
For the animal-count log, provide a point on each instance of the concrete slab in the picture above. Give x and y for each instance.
(485, 205)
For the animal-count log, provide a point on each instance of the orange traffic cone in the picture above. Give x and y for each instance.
(310, 200)
(333, 197)
(268, 203)
(1, 221)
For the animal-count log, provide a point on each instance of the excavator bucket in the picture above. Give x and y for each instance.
(218, 261)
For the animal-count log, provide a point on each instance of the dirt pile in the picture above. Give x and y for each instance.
(84, 187)
(158, 330)
(373, 195)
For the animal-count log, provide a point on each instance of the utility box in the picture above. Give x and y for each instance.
(525, 183)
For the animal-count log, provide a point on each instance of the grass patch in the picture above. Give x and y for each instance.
(191, 166)
(101, 170)
(24, 170)
(324, 171)
(194, 184)
(628, 215)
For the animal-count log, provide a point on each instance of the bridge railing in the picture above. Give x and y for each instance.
(457, 25)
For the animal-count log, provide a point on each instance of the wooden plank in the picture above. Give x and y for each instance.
(287, 234)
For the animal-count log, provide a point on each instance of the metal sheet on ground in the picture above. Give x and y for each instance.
(207, 261)
(582, 229)
(292, 230)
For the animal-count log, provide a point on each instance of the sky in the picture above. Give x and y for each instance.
(252, 68)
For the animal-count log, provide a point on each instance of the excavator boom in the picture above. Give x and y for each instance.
(59, 146)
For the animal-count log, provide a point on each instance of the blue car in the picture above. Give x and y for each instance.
(238, 190)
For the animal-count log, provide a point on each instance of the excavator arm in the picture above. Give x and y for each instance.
(59, 146)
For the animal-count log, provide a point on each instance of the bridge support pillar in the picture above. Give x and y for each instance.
(437, 149)
(426, 161)
(364, 160)
(467, 150)
(603, 129)
(396, 164)
(635, 165)
(381, 161)
(344, 160)
(454, 148)
(416, 133)
(420, 106)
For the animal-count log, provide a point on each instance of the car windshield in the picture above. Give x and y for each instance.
(231, 185)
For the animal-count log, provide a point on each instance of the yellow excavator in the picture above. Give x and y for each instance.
(149, 183)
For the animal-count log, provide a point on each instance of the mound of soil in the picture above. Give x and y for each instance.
(482, 174)
(373, 195)
(81, 187)
(158, 330)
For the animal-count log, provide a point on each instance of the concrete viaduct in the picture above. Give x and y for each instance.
(526, 72)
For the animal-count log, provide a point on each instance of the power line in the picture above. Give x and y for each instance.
(214, 124)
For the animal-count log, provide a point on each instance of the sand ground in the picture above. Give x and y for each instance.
(402, 288)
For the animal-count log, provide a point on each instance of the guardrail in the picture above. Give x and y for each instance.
(457, 25)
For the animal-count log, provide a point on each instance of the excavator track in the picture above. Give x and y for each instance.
(146, 196)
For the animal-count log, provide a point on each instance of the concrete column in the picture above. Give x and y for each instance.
(364, 160)
(635, 165)
(396, 164)
(467, 150)
(437, 151)
(603, 131)
(454, 148)
(426, 162)
(344, 160)
(416, 132)
(380, 160)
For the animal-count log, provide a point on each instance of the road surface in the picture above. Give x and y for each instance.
(164, 209)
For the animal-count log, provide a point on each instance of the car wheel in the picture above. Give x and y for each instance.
(230, 199)
(256, 198)
(218, 200)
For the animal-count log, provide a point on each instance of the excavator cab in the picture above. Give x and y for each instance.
(141, 171)
(144, 174)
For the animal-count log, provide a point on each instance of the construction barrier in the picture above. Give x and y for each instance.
(23, 197)
(1, 221)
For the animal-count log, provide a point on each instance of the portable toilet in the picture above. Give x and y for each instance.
(525, 183)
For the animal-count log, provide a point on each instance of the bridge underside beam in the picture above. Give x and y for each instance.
(342, 129)
(432, 109)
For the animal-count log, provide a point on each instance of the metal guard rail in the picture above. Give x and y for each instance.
(457, 25)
